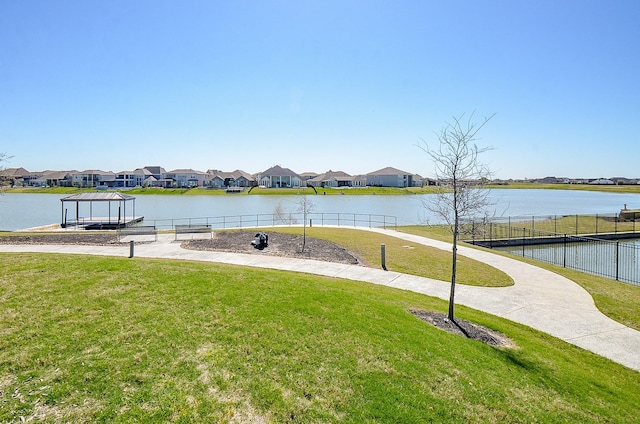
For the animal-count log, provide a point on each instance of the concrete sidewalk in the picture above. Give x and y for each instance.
(540, 299)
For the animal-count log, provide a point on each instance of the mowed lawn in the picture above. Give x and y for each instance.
(106, 339)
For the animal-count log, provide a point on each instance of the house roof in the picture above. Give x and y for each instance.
(55, 175)
(338, 175)
(185, 171)
(157, 170)
(14, 172)
(389, 171)
(279, 171)
(97, 197)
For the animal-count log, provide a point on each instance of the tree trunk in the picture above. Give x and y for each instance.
(453, 276)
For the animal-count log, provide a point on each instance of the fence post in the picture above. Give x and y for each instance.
(596, 224)
(533, 224)
(564, 259)
(524, 235)
(617, 261)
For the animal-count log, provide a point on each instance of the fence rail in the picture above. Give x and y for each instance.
(272, 220)
(593, 254)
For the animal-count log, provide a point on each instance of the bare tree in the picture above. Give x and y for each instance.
(461, 177)
(3, 158)
(305, 206)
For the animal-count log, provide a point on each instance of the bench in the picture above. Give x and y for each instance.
(193, 229)
(139, 230)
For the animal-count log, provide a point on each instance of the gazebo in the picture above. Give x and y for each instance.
(110, 221)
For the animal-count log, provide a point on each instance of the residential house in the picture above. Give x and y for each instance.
(14, 177)
(332, 179)
(601, 181)
(93, 178)
(54, 179)
(276, 176)
(157, 172)
(215, 178)
(184, 178)
(306, 176)
(390, 177)
(136, 178)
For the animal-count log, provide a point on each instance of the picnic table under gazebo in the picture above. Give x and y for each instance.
(120, 211)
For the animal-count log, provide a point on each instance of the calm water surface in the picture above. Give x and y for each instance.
(22, 210)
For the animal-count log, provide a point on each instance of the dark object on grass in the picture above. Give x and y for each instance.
(260, 241)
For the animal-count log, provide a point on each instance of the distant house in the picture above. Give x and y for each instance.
(390, 177)
(93, 178)
(276, 176)
(184, 178)
(54, 179)
(157, 172)
(602, 181)
(215, 178)
(14, 176)
(136, 178)
(623, 181)
(332, 179)
(306, 176)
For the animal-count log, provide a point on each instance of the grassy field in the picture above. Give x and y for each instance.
(119, 340)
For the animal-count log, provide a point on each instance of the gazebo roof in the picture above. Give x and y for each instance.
(97, 197)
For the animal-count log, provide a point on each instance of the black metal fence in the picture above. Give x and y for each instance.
(275, 219)
(594, 254)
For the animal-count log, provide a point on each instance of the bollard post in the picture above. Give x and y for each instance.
(383, 256)
(131, 243)
(310, 222)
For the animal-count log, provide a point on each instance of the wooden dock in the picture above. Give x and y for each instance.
(101, 223)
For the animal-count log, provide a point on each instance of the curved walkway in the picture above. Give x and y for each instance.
(539, 298)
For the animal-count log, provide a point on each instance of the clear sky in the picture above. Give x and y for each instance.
(318, 85)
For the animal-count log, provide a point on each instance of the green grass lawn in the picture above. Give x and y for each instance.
(120, 340)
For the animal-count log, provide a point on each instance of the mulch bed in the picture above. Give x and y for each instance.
(280, 244)
(464, 328)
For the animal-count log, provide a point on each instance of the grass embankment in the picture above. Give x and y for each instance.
(619, 301)
(582, 187)
(120, 340)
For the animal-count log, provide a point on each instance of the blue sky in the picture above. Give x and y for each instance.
(319, 85)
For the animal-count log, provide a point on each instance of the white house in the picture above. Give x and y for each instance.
(184, 178)
(93, 178)
(276, 176)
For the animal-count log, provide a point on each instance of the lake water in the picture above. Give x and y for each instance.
(23, 210)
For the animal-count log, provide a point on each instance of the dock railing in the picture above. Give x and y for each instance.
(598, 248)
